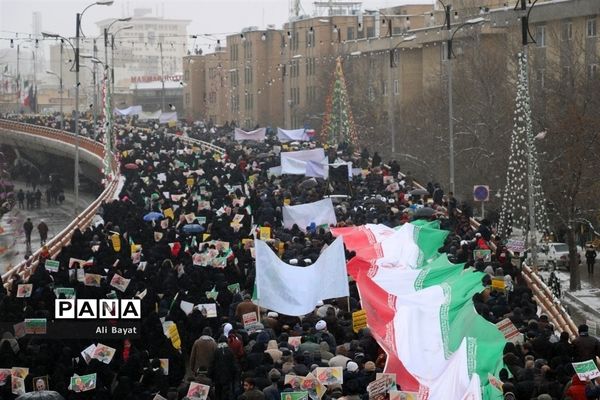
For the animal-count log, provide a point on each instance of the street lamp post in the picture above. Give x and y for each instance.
(60, 85)
(112, 53)
(78, 17)
(475, 21)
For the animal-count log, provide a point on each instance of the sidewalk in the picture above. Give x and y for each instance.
(57, 217)
(583, 304)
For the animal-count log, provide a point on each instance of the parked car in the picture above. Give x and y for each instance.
(555, 255)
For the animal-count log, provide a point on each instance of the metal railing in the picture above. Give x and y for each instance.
(84, 219)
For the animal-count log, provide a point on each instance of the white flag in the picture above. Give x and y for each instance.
(320, 212)
(295, 291)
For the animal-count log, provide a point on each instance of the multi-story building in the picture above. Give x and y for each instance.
(153, 46)
(391, 56)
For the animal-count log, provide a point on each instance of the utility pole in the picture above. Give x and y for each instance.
(162, 77)
(76, 174)
(62, 115)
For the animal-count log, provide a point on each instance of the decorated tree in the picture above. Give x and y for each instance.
(514, 213)
(338, 123)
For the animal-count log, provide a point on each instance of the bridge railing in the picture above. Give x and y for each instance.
(84, 219)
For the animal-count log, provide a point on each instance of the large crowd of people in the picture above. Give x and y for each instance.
(145, 237)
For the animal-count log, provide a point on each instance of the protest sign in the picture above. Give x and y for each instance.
(24, 290)
(495, 382)
(509, 330)
(330, 375)
(378, 388)
(295, 341)
(250, 321)
(4, 374)
(83, 383)
(485, 255)
(265, 233)
(198, 391)
(207, 310)
(51, 265)
(40, 383)
(92, 280)
(294, 396)
(19, 329)
(35, 326)
(516, 245)
(391, 379)
(67, 292)
(170, 331)
(120, 283)
(401, 395)
(359, 320)
(104, 353)
(87, 353)
(164, 364)
(586, 370)
(234, 288)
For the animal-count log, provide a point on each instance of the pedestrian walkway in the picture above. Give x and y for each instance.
(12, 236)
(583, 304)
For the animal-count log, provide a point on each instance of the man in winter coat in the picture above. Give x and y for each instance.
(224, 370)
(28, 228)
(43, 230)
(585, 347)
(590, 257)
(203, 352)
(272, 391)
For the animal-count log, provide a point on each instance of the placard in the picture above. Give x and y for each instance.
(586, 370)
(83, 383)
(486, 255)
(359, 320)
(330, 375)
(198, 391)
(51, 265)
(509, 330)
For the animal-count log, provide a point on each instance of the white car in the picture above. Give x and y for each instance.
(555, 255)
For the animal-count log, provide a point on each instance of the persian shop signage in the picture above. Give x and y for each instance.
(155, 78)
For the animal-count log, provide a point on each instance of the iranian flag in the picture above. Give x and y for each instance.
(419, 308)
(380, 245)
(26, 93)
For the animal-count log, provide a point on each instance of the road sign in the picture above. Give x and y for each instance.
(481, 193)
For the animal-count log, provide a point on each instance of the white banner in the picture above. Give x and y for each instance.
(167, 117)
(144, 116)
(299, 135)
(257, 135)
(293, 290)
(294, 162)
(133, 110)
(317, 170)
(320, 212)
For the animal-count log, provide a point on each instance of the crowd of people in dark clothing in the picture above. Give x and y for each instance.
(170, 267)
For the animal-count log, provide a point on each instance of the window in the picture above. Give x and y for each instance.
(371, 93)
(186, 75)
(371, 31)
(540, 35)
(592, 71)
(384, 87)
(247, 49)
(350, 33)
(591, 27)
(212, 97)
(233, 52)
(249, 102)
(567, 31)
(294, 96)
(294, 40)
(248, 75)
(234, 78)
(294, 69)
(235, 102)
(309, 38)
(310, 66)
(311, 94)
(396, 58)
(541, 78)
(187, 98)
(396, 87)
(444, 49)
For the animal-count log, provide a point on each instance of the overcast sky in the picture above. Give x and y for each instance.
(207, 16)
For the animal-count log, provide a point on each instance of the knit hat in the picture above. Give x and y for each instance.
(274, 375)
(321, 325)
(352, 366)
